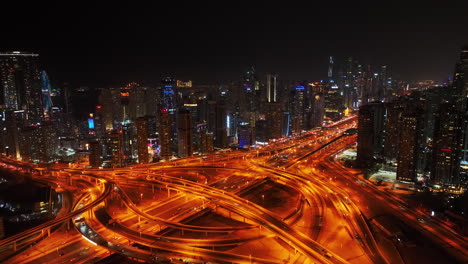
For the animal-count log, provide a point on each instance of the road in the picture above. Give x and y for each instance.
(288, 202)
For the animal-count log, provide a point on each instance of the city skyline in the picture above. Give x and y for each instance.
(111, 45)
(232, 132)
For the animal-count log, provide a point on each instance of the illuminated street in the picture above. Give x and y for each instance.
(236, 207)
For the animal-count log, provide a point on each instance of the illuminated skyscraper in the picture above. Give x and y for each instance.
(165, 135)
(246, 135)
(206, 142)
(447, 145)
(95, 153)
(46, 93)
(297, 108)
(315, 105)
(393, 112)
(330, 69)
(221, 128)
(333, 102)
(169, 95)
(39, 143)
(271, 87)
(460, 95)
(20, 84)
(116, 148)
(184, 133)
(408, 147)
(370, 133)
(142, 140)
(274, 120)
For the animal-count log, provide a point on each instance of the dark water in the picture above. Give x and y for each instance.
(24, 203)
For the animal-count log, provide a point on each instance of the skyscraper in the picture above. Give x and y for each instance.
(116, 148)
(169, 95)
(370, 136)
(408, 147)
(393, 112)
(142, 140)
(184, 133)
(95, 153)
(330, 69)
(460, 94)
(274, 120)
(165, 135)
(271, 87)
(20, 84)
(220, 128)
(447, 144)
(460, 80)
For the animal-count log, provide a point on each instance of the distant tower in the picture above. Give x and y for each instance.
(46, 93)
(20, 84)
(184, 133)
(169, 95)
(142, 140)
(271, 89)
(330, 69)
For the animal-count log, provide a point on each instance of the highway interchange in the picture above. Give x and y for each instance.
(289, 202)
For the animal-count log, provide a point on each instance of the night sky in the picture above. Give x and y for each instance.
(109, 44)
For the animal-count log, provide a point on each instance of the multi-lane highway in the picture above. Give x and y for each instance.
(288, 202)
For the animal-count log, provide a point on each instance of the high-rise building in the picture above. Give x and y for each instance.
(393, 112)
(460, 80)
(169, 95)
(116, 148)
(10, 124)
(408, 147)
(447, 145)
(274, 119)
(315, 105)
(20, 84)
(95, 153)
(142, 140)
(46, 89)
(184, 133)
(271, 87)
(460, 94)
(39, 143)
(330, 69)
(165, 135)
(220, 126)
(297, 109)
(246, 135)
(333, 103)
(370, 133)
(206, 142)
